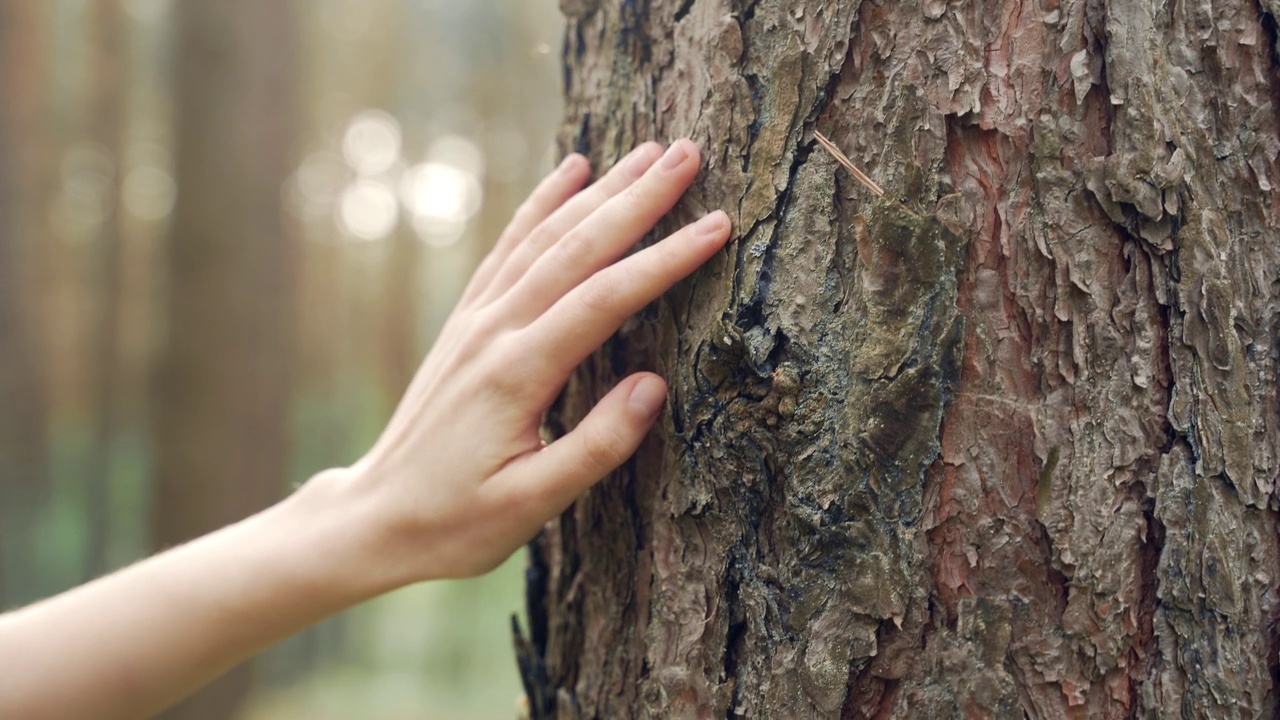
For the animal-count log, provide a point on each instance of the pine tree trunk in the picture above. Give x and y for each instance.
(1003, 443)
(222, 396)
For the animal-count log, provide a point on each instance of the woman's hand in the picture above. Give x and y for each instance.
(460, 478)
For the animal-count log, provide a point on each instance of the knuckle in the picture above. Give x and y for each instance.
(477, 330)
(548, 229)
(661, 264)
(541, 238)
(605, 448)
(522, 258)
(669, 264)
(494, 362)
(598, 194)
(513, 368)
(573, 246)
(599, 294)
(636, 194)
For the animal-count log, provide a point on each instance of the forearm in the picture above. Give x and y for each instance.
(132, 643)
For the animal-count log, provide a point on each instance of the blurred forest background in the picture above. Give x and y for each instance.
(229, 230)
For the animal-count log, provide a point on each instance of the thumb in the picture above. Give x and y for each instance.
(558, 473)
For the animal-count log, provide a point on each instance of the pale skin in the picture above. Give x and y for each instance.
(458, 480)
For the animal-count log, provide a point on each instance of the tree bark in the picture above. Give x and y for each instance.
(1003, 443)
(221, 407)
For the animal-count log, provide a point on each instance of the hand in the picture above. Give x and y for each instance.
(460, 477)
(456, 483)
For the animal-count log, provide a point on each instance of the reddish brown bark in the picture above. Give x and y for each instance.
(1003, 444)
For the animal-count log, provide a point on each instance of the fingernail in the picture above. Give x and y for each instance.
(641, 159)
(676, 154)
(647, 397)
(711, 225)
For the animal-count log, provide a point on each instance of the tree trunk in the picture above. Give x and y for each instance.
(24, 400)
(221, 407)
(108, 87)
(1003, 443)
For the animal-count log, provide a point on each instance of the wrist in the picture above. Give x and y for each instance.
(452, 531)
(349, 533)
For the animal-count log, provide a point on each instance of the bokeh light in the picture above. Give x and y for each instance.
(149, 192)
(441, 198)
(87, 169)
(81, 206)
(371, 144)
(321, 177)
(367, 210)
(459, 152)
(147, 11)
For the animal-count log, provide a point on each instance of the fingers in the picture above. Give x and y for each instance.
(554, 190)
(584, 318)
(607, 233)
(550, 230)
(546, 482)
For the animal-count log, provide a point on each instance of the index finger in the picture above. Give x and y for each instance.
(581, 321)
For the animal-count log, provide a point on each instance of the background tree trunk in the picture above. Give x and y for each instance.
(107, 114)
(1002, 444)
(24, 189)
(220, 414)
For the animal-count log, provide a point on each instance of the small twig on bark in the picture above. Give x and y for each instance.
(848, 164)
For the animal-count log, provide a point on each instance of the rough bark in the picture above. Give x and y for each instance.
(220, 410)
(1001, 444)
